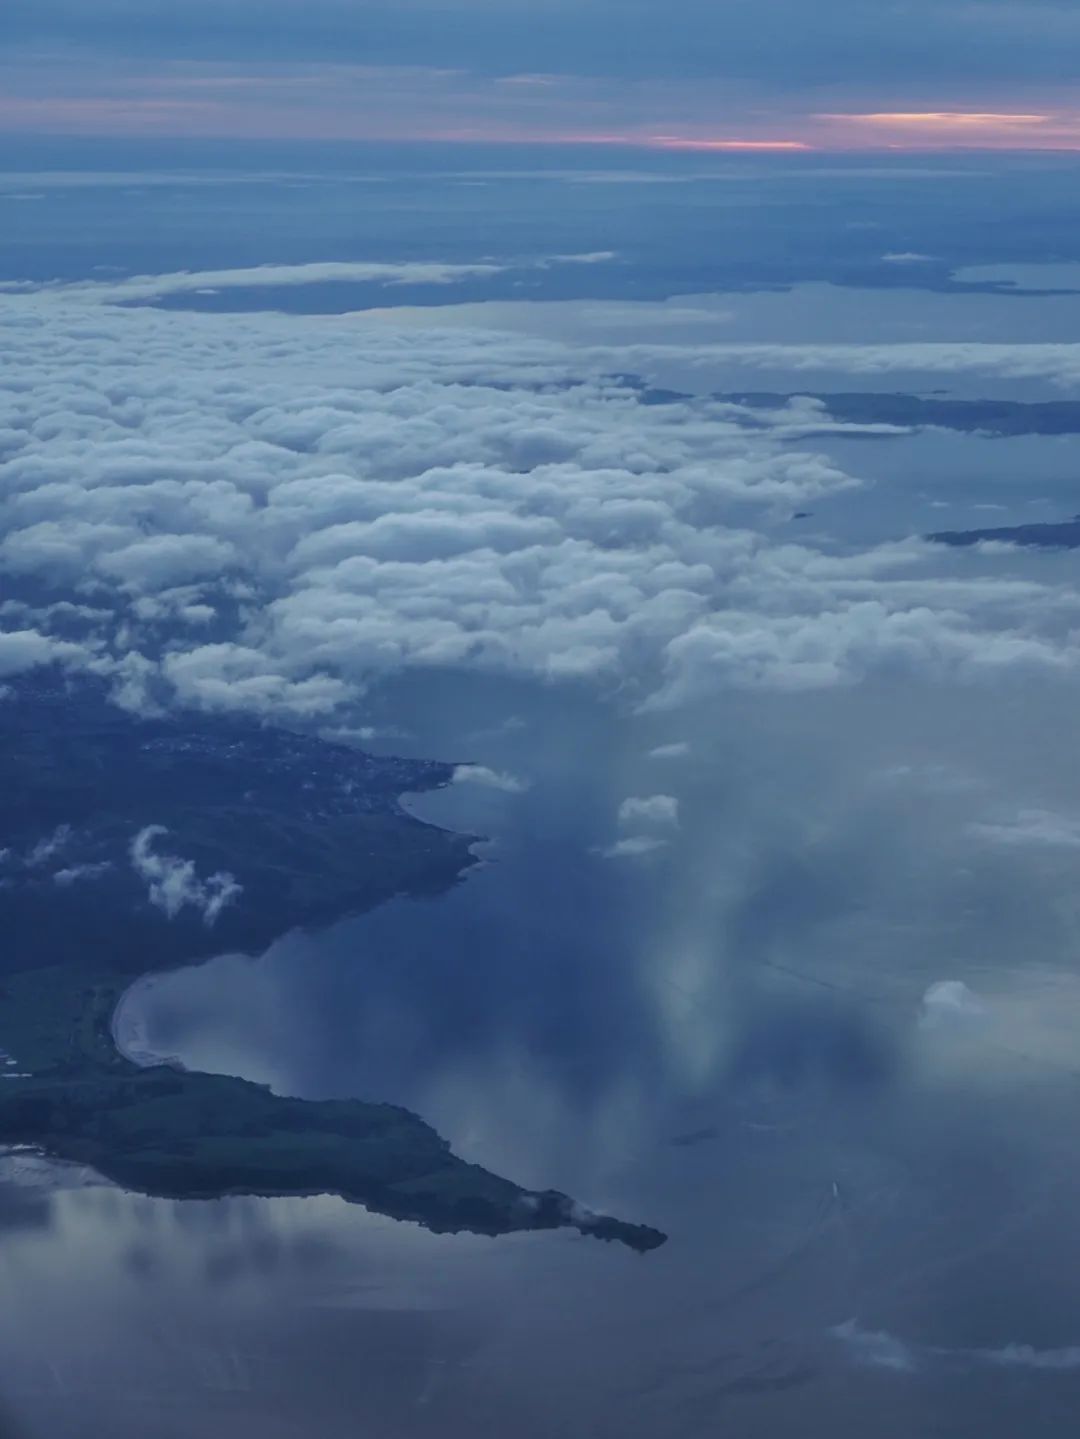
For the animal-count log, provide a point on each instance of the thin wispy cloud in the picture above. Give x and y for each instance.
(693, 76)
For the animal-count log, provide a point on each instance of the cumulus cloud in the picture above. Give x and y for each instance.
(950, 1003)
(25, 649)
(479, 774)
(173, 882)
(233, 677)
(271, 527)
(648, 821)
(656, 811)
(842, 644)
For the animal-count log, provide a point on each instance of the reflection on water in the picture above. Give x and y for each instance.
(822, 1032)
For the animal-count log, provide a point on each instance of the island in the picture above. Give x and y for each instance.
(998, 419)
(1048, 535)
(132, 843)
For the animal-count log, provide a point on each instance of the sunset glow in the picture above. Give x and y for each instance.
(940, 119)
(441, 105)
(678, 142)
(945, 129)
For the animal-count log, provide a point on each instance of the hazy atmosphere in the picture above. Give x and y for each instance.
(539, 641)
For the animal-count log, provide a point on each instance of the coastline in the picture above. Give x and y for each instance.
(127, 1036)
(307, 832)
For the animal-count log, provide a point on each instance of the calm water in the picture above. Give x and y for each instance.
(870, 1198)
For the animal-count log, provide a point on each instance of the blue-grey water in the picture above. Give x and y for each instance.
(870, 1193)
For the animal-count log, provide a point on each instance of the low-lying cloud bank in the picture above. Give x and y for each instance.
(136, 289)
(269, 515)
(877, 1349)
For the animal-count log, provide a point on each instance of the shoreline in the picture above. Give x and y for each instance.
(317, 832)
(127, 1036)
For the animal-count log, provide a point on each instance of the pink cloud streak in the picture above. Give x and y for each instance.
(357, 103)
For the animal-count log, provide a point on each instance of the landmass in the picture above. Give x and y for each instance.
(999, 418)
(132, 844)
(1062, 535)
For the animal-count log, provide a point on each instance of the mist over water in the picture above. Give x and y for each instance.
(812, 1035)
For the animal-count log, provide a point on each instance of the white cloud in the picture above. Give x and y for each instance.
(678, 750)
(1032, 827)
(1058, 363)
(881, 1350)
(49, 847)
(660, 811)
(634, 847)
(167, 560)
(874, 1348)
(25, 649)
(842, 644)
(339, 500)
(641, 814)
(948, 1003)
(479, 774)
(77, 872)
(134, 289)
(237, 677)
(1025, 1356)
(174, 883)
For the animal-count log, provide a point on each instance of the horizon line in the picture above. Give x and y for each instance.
(657, 144)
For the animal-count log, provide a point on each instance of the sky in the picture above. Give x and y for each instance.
(712, 74)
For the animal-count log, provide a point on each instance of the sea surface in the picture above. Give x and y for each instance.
(869, 1181)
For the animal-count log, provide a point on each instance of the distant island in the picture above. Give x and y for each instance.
(132, 844)
(1063, 535)
(998, 418)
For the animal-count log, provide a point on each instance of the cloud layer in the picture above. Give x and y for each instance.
(134, 289)
(274, 518)
(781, 43)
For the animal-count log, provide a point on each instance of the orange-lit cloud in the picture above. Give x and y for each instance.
(945, 129)
(332, 101)
(939, 129)
(680, 142)
(940, 119)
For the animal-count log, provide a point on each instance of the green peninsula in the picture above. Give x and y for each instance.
(131, 844)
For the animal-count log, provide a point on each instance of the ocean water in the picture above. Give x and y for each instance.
(813, 1038)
